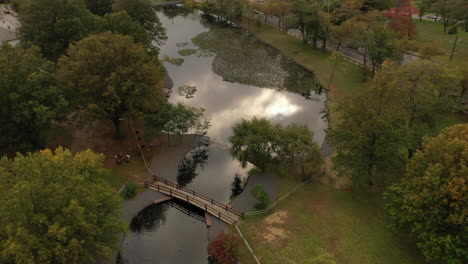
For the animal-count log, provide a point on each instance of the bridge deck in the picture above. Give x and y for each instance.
(221, 211)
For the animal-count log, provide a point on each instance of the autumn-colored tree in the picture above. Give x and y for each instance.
(401, 20)
(431, 200)
(224, 249)
(56, 207)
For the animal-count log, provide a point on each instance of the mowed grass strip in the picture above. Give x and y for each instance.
(320, 219)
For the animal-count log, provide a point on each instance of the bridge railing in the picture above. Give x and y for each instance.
(194, 193)
(184, 196)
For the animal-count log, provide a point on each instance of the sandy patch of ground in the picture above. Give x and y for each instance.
(274, 231)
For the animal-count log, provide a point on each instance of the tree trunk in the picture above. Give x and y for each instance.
(446, 20)
(338, 46)
(116, 122)
(324, 44)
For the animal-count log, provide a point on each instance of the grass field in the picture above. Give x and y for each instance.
(319, 220)
(433, 32)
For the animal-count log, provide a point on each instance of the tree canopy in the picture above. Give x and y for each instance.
(99, 7)
(53, 25)
(430, 201)
(111, 77)
(260, 142)
(56, 208)
(31, 100)
(142, 12)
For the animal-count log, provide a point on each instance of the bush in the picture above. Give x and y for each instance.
(237, 185)
(262, 196)
(129, 191)
(224, 249)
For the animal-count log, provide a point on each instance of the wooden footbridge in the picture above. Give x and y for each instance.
(219, 210)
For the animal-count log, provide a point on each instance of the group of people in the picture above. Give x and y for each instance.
(120, 158)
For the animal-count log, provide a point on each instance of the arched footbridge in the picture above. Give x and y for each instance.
(219, 210)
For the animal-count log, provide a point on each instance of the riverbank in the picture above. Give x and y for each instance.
(347, 78)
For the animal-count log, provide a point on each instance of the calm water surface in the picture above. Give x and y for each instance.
(237, 78)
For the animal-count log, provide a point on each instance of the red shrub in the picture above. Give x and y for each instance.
(224, 249)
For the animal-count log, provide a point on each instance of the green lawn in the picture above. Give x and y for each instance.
(349, 225)
(433, 32)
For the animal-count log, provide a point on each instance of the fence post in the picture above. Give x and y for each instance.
(158, 187)
(170, 192)
(193, 191)
(206, 207)
(187, 199)
(219, 214)
(211, 201)
(226, 207)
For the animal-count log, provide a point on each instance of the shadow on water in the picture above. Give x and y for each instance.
(150, 218)
(188, 167)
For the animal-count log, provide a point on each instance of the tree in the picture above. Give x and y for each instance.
(122, 23)
(56, 208)
(430, 201)
(53, 25)
(368, 137)
(237, 185)
(401, 19)
(381, 45)
(176, 119)
(111, 77)
(142, 12)
(449, 11)
(296, 145)
(224, 249)
(253, 141)
(423, 89)
(99, 7)
(31, 100)
(258, 191)
(424, 5)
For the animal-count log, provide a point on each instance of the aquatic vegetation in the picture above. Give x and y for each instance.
(187, 52)
(174, 61)
(238, 59)
(187, 91)
(181, 44)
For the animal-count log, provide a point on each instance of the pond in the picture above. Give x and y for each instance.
(236, 77)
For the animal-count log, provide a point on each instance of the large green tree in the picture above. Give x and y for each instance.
(296, 146)
(111, 77)
(53, 25)
(431, 200)
(142, 11)
(56, 208)
(122, 23)
(382, 125)
(30, 99)
(253, 141)
(367, 137)
(99, 7)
